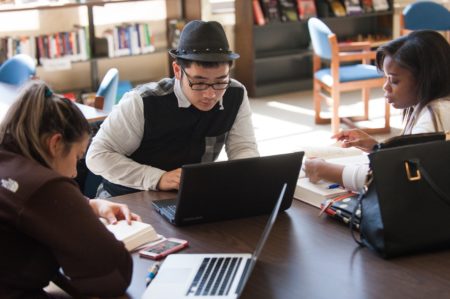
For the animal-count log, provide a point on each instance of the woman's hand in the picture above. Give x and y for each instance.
(313, 167)
(356, 138)
(317, 169)
(113, 211)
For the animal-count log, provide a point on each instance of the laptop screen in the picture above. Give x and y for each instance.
(232, 189)
(262, 241)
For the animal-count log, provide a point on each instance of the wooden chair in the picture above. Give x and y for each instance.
(425, 15)
(341, 78)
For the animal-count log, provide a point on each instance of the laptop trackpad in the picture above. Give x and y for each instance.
(174, 275)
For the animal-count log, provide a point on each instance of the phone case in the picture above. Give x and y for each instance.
(156, 256)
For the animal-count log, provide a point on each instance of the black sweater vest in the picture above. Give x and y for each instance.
(175, 136)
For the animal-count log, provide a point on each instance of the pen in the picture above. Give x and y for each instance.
(152, 273)
(333, 186)
(333, 200)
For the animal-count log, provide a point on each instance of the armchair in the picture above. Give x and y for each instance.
(425, 15)
(340, 78)
(17, 70)
(107, 92)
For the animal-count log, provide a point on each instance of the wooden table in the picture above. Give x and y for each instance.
(305, 257)
(8, 94)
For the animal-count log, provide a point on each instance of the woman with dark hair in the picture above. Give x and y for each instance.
(417, 70)
(46, 223)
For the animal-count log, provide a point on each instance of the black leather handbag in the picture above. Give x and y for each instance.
(405, 207)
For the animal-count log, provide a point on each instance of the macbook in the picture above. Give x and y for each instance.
(231, 189)
(209, 275)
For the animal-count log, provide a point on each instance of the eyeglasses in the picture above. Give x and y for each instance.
(204, 86)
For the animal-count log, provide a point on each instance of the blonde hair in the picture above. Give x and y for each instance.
(35, 115)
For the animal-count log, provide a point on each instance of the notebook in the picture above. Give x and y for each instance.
(209, 275)
(231, 189)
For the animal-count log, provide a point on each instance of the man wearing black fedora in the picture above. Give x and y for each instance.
(160, 126)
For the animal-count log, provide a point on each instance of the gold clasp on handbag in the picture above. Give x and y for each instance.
(416, 176)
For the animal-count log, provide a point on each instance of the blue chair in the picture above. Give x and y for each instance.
(17, 70)
(107, 92)
(425, 15)
(336, 79)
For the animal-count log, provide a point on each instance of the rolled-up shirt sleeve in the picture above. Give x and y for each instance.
(354, 176)
(241, 141)
(119, 136)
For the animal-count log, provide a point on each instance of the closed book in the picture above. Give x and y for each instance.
(380, 5)
(288, 10)
(337, 8)
(270, 10)
(258, 13)
(315, 194)
(133, 235)
(353, 7)
(306, 9)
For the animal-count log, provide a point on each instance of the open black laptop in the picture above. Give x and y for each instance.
(231, 189)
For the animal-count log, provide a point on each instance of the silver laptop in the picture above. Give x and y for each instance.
(208, 275)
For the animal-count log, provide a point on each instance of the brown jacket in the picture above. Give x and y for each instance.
(47, 225)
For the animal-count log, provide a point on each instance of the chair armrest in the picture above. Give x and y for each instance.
(99, 102)
(354, 46)
(355, 56)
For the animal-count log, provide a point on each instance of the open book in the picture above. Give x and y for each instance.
(315, 194)
(134, 235)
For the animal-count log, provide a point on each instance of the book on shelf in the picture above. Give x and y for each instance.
(134, 235)
(367, 5)
(306, 9)
(337, 8)
(65, 46)
(353, 7)
(174, 31)
(380, 5)
(288, 10)
(258, 15)
(10, 46)
(129, 39)
(271, 10)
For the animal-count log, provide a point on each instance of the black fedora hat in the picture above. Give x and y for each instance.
(203, 41)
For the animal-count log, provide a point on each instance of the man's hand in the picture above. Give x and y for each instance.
(112, 211)
(170, 180)
(356, 138)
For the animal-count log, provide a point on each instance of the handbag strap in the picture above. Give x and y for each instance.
(441, 194)
(352, 219)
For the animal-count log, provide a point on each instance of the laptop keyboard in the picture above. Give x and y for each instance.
(214, 277)
(169, 210)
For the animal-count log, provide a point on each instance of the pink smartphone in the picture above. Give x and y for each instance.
(162, 248)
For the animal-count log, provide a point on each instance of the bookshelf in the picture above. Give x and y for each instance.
(277, 58)
(86, 73)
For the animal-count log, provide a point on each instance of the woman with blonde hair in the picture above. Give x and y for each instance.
(47, 225)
